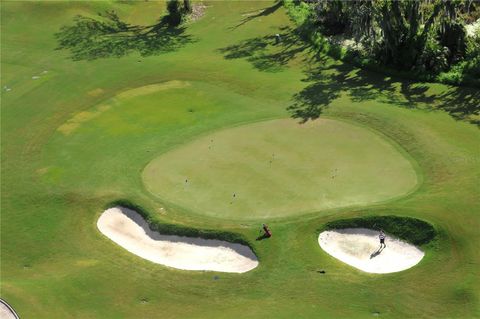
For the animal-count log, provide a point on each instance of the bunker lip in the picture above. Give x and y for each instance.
(128, 229)
(360, 248)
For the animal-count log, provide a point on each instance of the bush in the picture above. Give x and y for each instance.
(301, 14)
(435, 57)
(298, 12)
(415, 231)
(454, 76)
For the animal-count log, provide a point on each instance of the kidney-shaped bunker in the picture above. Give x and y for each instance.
(128, 229)
(360, 248)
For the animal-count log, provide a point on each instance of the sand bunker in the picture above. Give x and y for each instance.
(128, 229)
(360, 248)
(6, 311)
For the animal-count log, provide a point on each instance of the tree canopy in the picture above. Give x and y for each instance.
(428, 35)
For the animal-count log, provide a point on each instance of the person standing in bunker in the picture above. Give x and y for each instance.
(382, 239)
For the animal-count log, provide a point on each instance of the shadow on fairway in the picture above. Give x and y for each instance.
(265, 53)
(327, 79)
(262, 237)
(108, 36)
(325, 83)
(257, 13)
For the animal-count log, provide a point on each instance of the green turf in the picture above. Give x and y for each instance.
(279, 168)
(78, 138)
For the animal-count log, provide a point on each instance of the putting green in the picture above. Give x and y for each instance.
(280, 168)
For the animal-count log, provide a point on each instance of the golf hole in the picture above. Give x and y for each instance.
(129, 230)
(360, 248)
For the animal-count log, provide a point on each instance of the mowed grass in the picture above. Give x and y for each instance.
(78, 137)
(285, 168)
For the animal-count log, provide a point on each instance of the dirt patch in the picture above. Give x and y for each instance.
(95, 92)
(72, 124)
(198, 11)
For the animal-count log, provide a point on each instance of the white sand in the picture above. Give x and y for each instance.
(6, 311)
(129, 230)
(359, 247)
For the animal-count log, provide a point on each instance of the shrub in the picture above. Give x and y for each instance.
(434, 58)
(298, 12)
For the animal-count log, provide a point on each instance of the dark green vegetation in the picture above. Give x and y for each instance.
(177, 12)
(413, 230)
(69, 147)
(417, 39)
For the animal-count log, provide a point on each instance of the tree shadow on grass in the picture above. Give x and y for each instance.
(260, 13)
(269, 53)
(309, 103)
(461, 104)
(108, 36)
(326, 80)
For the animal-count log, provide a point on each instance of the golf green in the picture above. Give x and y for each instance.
(279, 168)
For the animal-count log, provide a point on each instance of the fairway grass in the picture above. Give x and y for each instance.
(80, 137)
(285, 168)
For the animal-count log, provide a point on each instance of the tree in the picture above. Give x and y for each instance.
(406, 34)
(187, 6)
(177, 11)
(332, 16)
(174, 12)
